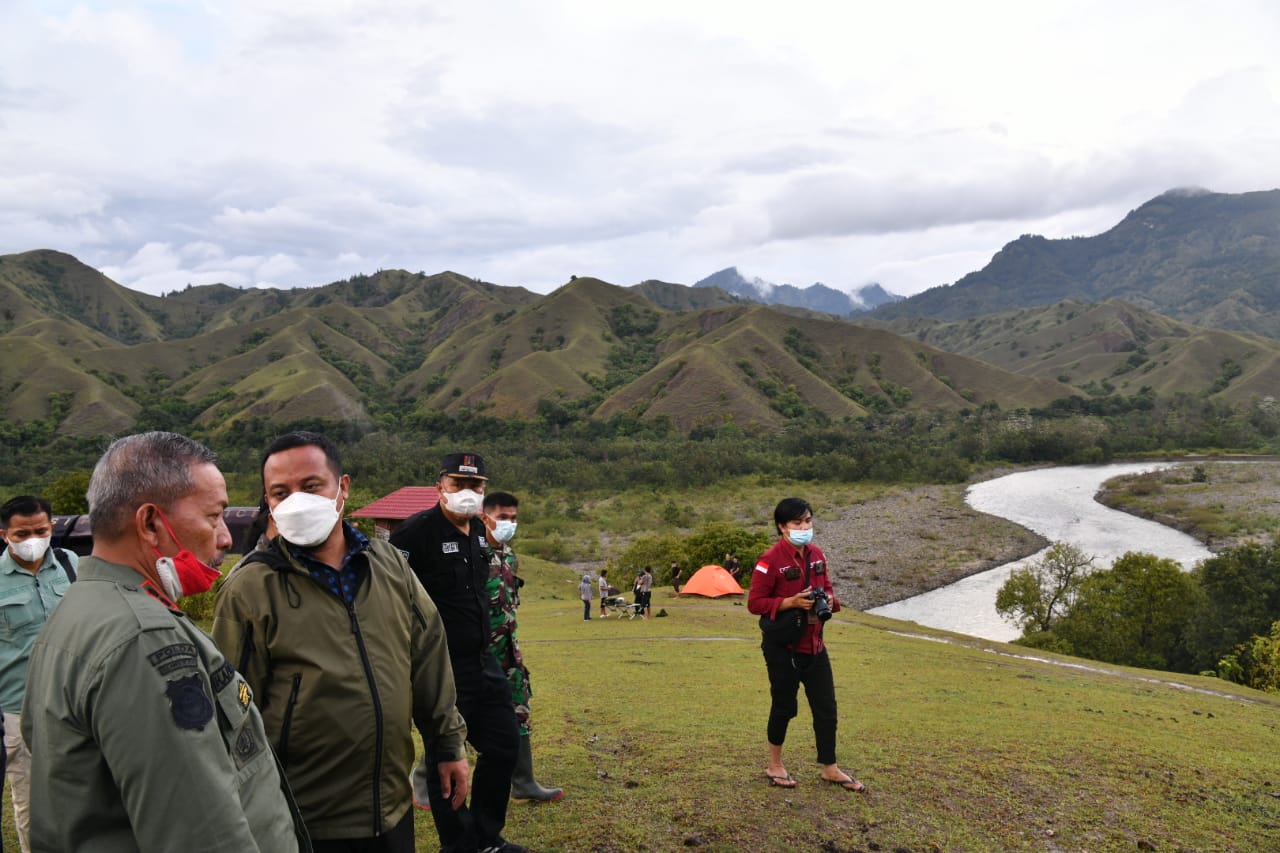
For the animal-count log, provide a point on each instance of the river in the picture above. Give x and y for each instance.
(1058, 504)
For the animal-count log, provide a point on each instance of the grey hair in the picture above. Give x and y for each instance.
(150, 467)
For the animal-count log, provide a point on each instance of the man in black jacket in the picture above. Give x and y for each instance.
(448, 550)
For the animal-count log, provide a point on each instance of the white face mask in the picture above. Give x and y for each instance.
(31, 550)
(504, 531)
(464, 502)
(306, 519)
(169, 577)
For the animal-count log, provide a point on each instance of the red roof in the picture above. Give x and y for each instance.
(401, 503)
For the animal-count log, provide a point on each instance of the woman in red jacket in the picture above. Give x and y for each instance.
(790, 581)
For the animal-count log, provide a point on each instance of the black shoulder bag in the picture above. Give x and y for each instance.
(788, 627)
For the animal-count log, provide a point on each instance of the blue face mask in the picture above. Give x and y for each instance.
(800, 538)
(504, 531)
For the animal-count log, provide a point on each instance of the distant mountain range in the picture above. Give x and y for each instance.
(1211, 259)
(815, 297)
(85, 356)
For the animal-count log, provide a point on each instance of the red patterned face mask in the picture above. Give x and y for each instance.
(183, 574)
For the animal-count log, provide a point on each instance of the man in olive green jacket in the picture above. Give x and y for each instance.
(344, 649)
(142, 736)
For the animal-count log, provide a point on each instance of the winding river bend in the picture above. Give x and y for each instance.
(1058, 504)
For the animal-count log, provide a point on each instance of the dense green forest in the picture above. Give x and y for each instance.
(558, 448)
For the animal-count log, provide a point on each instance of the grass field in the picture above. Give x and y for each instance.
(656, 731)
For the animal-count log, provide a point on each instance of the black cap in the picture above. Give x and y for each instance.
(463, 465)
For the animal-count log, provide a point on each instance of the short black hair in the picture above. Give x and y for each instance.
(304, 438)
(23, 505)
(492, 499)
(790, 509)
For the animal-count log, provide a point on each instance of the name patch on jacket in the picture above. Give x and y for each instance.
(448, 547)
(173, 658)
(189, 702)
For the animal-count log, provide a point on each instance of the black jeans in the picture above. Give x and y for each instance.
(398, 840)
(484, 700)
(787, 671)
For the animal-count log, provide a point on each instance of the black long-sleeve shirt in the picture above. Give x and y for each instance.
(453, 568)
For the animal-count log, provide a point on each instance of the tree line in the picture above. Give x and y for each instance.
(562, 444)
(1221, 618)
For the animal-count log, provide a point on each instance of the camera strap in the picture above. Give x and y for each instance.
(804, 556)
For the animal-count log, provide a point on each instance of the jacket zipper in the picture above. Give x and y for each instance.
(247, 648)
(288, 720)
(377, 716)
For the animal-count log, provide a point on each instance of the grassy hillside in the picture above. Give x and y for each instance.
(398, 345)
(1112, 344)
(656, 731)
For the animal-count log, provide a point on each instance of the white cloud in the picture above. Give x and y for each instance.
(268, 142)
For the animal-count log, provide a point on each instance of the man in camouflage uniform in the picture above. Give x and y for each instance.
(500, 512)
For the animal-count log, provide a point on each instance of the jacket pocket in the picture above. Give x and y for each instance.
(15, 612)
(287, 720)
(419, 616)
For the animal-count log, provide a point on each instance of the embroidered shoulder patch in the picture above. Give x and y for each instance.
(172, 658)
(762, 567)
(222, 677)
(449, 548)
(189, 702)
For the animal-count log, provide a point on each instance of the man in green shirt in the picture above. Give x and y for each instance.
(142, 735)
(33, 579)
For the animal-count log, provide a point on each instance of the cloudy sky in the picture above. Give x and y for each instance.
(290, 143)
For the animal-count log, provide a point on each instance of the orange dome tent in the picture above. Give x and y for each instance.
(712, 582)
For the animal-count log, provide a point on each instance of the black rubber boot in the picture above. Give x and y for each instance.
(523, 786)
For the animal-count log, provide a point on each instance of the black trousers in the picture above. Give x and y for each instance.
(398, 840)
(787, 671)
(484, 700)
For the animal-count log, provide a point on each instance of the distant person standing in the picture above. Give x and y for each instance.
(784, 582)
(585, 593)
(33, 579)
(734, 567)
(675, 576)
(646, 590)
(604, 591)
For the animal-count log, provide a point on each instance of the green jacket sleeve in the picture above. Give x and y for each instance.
(153, 714)
(435, 711)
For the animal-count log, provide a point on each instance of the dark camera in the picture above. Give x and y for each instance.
(821, 604)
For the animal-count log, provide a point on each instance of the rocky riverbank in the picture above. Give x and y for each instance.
(1224, 504)
(913, 540)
